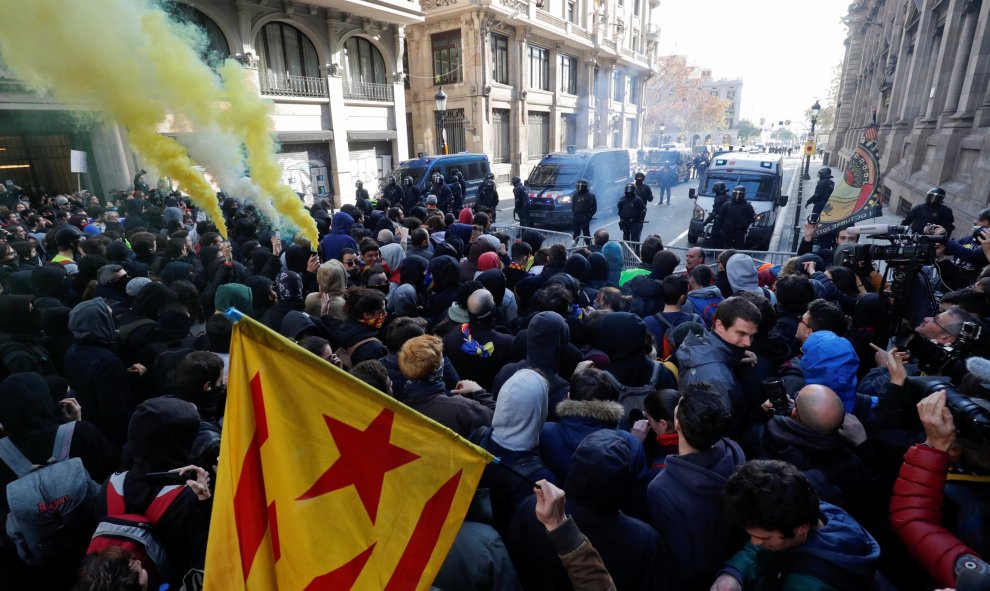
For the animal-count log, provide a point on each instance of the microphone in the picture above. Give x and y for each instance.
(877, 229)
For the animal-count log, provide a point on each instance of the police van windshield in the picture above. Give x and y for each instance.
(758, 188)
(660, 157)
(546, 175)
(402, 172)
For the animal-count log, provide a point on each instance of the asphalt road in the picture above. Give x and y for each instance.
(670, 222)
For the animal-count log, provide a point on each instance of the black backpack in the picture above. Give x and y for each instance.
(631, 397)
(167, 358)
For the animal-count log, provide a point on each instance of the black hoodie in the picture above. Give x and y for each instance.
(547, 339)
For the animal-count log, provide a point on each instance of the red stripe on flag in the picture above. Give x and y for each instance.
(344, 577)
(250, 508)
(424, 538)
(273, 526)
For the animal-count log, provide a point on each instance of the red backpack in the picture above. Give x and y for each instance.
(135, 532)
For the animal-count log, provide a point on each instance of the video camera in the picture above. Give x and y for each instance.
(971, 416)
(934, 358)
(905, 249)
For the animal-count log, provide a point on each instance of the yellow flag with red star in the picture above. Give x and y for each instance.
(324, 483)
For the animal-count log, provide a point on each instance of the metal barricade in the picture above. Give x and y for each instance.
(550, 237)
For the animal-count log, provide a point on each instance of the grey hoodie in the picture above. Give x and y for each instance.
(743, 276)
(91, 321)
(521, 411)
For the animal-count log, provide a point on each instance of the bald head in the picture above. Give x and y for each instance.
(480, 303)
(819, 408)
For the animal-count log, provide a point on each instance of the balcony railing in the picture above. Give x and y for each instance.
(273, 83)
(550, 19)
(367, 91)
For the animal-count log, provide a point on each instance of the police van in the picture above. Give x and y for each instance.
(763, 177)
(473, 168)
(552, 183)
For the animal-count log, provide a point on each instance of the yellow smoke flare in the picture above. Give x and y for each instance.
(251, 115)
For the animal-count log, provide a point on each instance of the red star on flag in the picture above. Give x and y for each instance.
(365, 457)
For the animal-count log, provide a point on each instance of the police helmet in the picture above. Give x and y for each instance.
(489, 182)
(640, 176)
(358, 184)
(391, 181)
(490, 176)
(630, 189)
(67, 236)
(720, 189)
(582, 186)
(407, 181)
(935, 195)
(739, 192)
(516, 181)
(825, 173)
(437, 178)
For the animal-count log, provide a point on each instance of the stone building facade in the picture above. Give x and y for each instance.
(332, 68)
(527, 78)
(922, 68)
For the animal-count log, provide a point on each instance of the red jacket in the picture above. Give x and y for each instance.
(916, 513)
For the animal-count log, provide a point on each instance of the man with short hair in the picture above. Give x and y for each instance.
(600, 239)
(685, 498)
(945, 327)
(713, 357)
(821, 315)
(693, 257)
(796, 541)
(703, 295)
(420, 244)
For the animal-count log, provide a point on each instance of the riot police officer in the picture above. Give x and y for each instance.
(445, 198)
(459, 188)
(410, 195)
(736, 215)
(932, 211)
(584, 206)
(392, 192)
(643, 190)
(632, 212)
(521, 201)
(487, 197)
(721, 196)
(361, 199)
(823, 190)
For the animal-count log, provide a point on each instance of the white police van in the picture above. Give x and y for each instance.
(763, 177)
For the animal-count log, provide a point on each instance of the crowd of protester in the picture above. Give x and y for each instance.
(697, 424)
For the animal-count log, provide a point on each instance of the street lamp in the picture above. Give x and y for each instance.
(441, 100)
(663, 128)
(815, 110)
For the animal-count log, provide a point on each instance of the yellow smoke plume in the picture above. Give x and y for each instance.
(251, 116)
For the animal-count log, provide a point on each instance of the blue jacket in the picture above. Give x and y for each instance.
(842, 555)
(685, 505)
(339, 237)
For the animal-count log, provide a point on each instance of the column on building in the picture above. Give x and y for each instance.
(554, 143)
(400, 145)
(977, 78)
(586, 102)
(340, 161)
(523, 34)
(946, 62)
(960, 62)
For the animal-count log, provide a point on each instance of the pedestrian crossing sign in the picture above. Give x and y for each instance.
(809, 148)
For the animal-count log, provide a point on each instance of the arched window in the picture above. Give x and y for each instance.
(215, 48)
(366, 75)
(289, 65)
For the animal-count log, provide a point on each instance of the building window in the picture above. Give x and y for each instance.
(635, 40)
(452, 130)
(216, 49)
(539, 67)
(447, 58)
(630, 133)
(618, 86)
(289, 65)
(366, 78)
(568, 74)
(500, 127)
(539, 134)
(572, 12)
(621, 3)
(636, 7)
(617, 137)
(568, 130)
(500, 59)
(633, 90)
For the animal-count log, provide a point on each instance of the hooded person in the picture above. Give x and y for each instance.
(47, 282)
(176, 271)
(233, 295)
(22, 344)
(298, 325)
(261, 295)
(514, 437)
(830, 360)
(459, 231)
(160, 437)
(137, 326)
(289, 296)
(613, 255)
(96, 373)
(599, 270)
(413, 273)
(339, 237)
(494, 281)
(31, 420)
(578, 267)
(488, 261)
(392, 257)
(604, 466)
(743, 277)
(331, 278)
(547, 338)
(476, 349)
(446, 277)
(297, 259)
(623, 338)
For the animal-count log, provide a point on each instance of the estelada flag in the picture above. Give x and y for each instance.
(326, 483)
(857, 195)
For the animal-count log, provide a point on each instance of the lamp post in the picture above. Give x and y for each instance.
(815, 110)
(441, 100)
(663, 128)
